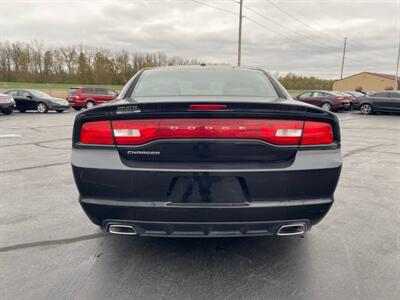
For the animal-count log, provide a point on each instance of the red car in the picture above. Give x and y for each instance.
(87, 97)
(331, 101)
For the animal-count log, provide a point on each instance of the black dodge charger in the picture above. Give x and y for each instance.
(204, 151)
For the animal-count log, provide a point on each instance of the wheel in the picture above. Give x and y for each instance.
(77, 108)
(59, 110)
(7, 111)
(21, 110)
(326, 106)
(366, 109)
(89, 104)
(42, 108)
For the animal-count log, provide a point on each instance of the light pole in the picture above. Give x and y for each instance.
(240, 33)
(396, 81)
(344, 54)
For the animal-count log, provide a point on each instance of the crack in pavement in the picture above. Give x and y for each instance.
(39, 127)
(39, 144)
(387, 152)
(33, 143)
(53, 242)
(35, 167)
(359, 150)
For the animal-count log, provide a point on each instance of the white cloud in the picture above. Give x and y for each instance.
(185, 28)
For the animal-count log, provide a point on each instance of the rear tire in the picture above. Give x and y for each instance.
(77, 108)
(366, 109)
(42, 108)
(326, 106)
(89, 104)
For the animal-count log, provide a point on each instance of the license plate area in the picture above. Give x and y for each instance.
(206, 189)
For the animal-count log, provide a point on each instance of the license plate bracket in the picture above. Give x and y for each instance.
(203, 188)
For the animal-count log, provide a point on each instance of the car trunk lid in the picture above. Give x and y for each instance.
(267, 132)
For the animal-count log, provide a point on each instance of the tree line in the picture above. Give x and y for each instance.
(296, 82)
(36, 62)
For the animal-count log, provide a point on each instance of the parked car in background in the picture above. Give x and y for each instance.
(7, 104)
(331, 101)
(87, 97)
(354, 93)
(385, 101)
(36, 100)
(347, 96)
(206, 152)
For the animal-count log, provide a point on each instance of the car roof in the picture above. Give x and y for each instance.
(27, 90)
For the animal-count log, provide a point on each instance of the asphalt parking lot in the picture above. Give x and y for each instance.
(50, 250)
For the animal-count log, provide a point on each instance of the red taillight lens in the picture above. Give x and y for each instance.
(135, 132)
(141, 131)
(317, 133)
(96, 132)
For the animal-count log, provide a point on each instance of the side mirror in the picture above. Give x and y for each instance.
(29, 97)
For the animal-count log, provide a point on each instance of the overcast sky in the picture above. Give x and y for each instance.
(301, 36)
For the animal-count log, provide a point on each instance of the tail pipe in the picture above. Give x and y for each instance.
(121, 229)
(292, 229)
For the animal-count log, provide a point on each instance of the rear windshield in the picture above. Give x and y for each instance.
(203, 82)
(72, 91)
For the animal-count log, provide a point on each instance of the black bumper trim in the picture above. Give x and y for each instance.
(298, 202)
(204, 229)
(312, 210)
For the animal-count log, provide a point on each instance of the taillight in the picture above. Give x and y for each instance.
(96, 132)
(317, 133)
(207, 107)
(136, 132)
(339, 98)
(141, 131)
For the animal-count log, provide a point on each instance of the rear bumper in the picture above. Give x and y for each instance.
(342, 106)
(7, 106)
(164, 219)
(74, 103)
(139, 195)
(205, 229)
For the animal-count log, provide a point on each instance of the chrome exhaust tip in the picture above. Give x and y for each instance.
(121, 229)
(292, 229)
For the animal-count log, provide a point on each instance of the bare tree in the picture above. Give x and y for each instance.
(69, 55)
(34, 62)
(37, 48)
